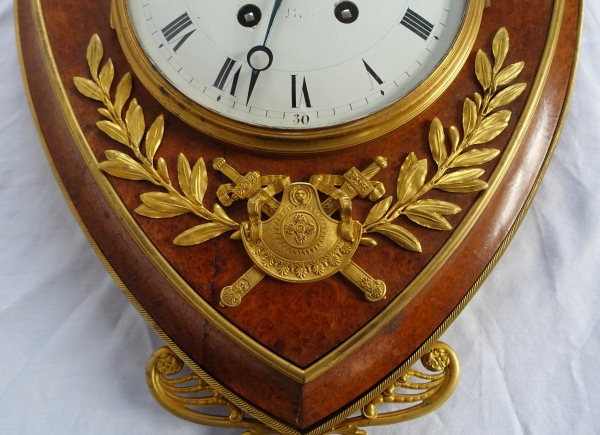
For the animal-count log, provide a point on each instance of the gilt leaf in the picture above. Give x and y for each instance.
(401, 236)
(200, 234)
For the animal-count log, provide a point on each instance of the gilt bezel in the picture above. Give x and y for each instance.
(292, 142)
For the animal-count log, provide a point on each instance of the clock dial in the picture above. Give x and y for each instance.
(296, 65)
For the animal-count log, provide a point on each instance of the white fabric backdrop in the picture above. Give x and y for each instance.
(73, 350)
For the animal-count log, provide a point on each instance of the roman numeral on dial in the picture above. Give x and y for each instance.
(417, 24)
(303, 94)
(223, 78)
(173, 31)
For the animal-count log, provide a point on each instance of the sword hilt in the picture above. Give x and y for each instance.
(379, 164)
(219, 164)
(355, 182)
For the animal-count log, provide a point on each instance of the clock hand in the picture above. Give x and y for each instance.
(256, 71)
(253, 80)
(274, 14)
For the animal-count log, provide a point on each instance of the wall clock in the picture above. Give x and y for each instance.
(237, 254)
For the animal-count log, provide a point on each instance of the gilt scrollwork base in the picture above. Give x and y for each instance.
(415, 393)
(185, 396)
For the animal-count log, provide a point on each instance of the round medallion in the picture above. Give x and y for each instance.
(300, 230)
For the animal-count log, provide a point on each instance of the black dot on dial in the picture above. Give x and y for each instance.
(346, 12)
(249, 15)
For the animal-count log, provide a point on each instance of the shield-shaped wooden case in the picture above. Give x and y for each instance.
(233, 257)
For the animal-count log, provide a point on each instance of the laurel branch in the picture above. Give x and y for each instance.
(456, 159)
(130, 131)
(456, 170)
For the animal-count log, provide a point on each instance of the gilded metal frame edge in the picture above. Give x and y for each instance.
(289, 142)
(402, 368)
(371, 328)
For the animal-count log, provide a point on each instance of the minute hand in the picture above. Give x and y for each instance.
(274, 14)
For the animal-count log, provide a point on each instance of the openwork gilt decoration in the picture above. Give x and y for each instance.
(182, 396)
(417, 393)
(301, 241)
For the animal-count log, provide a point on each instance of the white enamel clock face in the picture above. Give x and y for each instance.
(324, 62)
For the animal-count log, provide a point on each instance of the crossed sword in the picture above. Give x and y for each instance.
(374, 290)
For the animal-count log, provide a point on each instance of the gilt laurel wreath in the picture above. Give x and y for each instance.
(456, 158)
